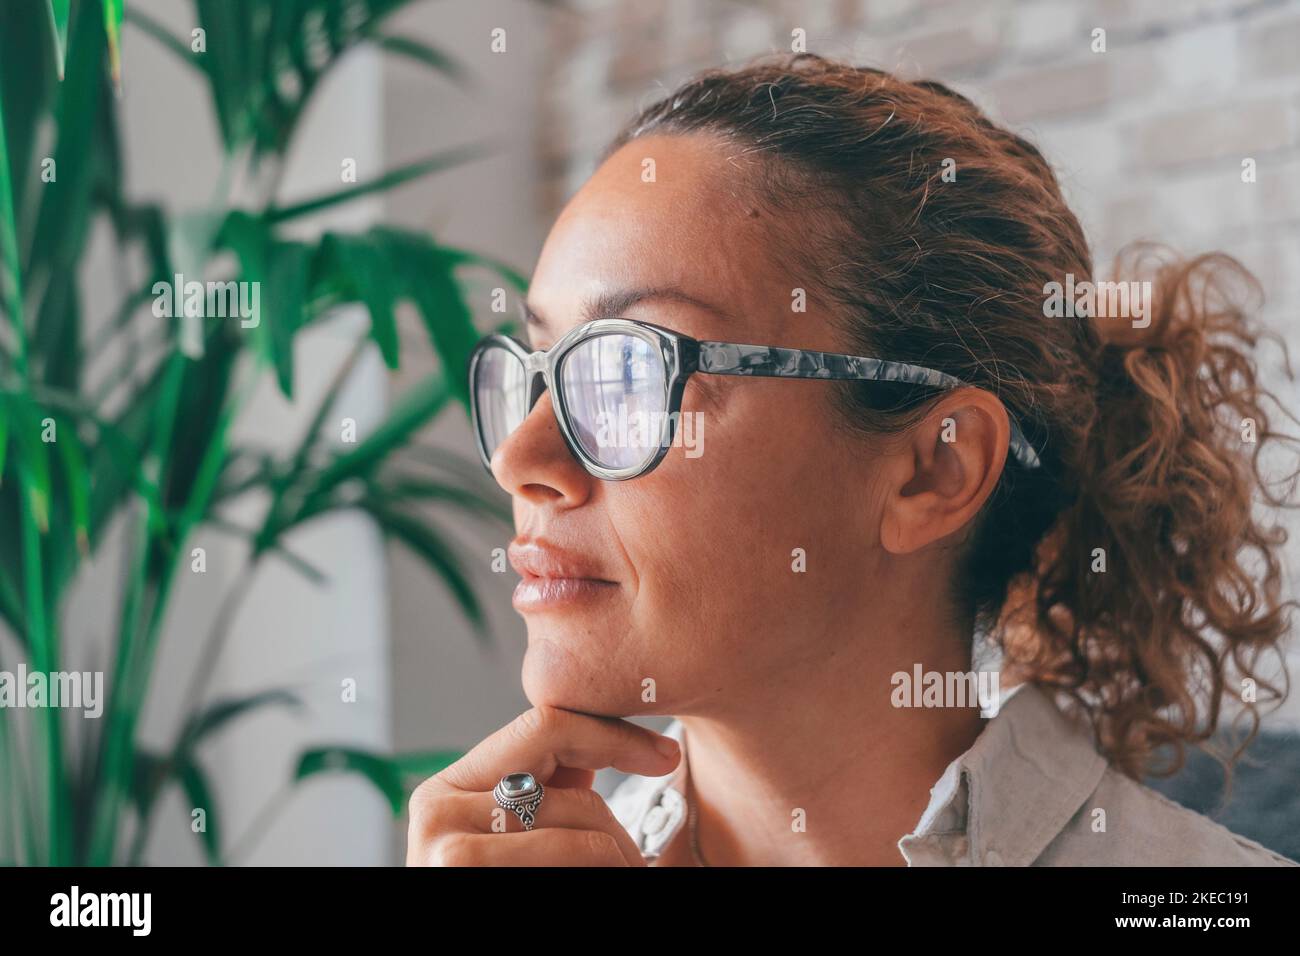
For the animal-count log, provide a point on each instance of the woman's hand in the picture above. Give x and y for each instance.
(452, 814)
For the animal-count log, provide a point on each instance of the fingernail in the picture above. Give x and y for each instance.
(667, 746)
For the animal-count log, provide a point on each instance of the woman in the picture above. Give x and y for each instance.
(805, 572)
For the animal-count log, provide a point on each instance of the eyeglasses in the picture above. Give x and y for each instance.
(608, 373)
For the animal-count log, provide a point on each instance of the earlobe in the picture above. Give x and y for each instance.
(891, 534)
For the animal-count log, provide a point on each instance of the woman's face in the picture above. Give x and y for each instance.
(703, 594)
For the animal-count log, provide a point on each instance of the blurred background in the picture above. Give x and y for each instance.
(492, 112)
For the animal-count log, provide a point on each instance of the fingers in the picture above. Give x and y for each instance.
(451, 815)
(531, 848)
(543, 739)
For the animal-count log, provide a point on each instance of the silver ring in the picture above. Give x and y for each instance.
(522, 794)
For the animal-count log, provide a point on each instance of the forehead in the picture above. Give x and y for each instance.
(665, 212)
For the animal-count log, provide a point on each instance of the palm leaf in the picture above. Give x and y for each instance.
(369, 279)
(404, 487)
(85, 158)
(388, 774)
(4, 437)
(285, 292)
(77, 479)
(416, 408)
(427, 276)
(436, 552)
(423, 53)
(153, 28)
(195, 784)
(59, 27)
(11, 285)
(33, 457)
(216, 715)
(266, 64)
(114, 10)
(396, 177)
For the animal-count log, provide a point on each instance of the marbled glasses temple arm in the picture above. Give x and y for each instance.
(727, 358)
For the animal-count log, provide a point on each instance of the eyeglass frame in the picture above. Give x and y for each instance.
(682, 357)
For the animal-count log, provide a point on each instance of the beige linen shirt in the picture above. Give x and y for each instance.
(1031, 791)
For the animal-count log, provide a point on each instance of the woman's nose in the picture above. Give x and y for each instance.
(535, 464)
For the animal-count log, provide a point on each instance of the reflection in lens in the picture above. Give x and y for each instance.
(616, 392)
(500, 398)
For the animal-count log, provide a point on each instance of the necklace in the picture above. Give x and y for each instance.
(692, 809)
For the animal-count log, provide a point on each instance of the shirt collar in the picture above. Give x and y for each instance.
(1007, 797)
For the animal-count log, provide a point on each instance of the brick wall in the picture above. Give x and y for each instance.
(1148, 137)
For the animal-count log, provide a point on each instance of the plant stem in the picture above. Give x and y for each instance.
(202, 674)
(44, 660)
(111, 742)
(135, 650)
(39, 638)
(200, 497)
(136, 853)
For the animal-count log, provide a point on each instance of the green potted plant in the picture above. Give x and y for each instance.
(149, 442)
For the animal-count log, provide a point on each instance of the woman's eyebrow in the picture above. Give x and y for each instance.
(612, 305)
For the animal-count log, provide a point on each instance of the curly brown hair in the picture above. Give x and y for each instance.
(1143, 432)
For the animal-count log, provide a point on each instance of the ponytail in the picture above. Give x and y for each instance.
(1159, 595)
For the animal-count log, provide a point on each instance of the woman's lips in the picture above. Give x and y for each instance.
(553, 578)
(537, 594)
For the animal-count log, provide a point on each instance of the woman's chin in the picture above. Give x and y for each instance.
(556, 676)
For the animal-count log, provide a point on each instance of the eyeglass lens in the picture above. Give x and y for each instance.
(614, 388)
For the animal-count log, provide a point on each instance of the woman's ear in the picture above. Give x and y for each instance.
(938, 477)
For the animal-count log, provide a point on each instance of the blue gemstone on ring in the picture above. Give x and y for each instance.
(518, 784)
